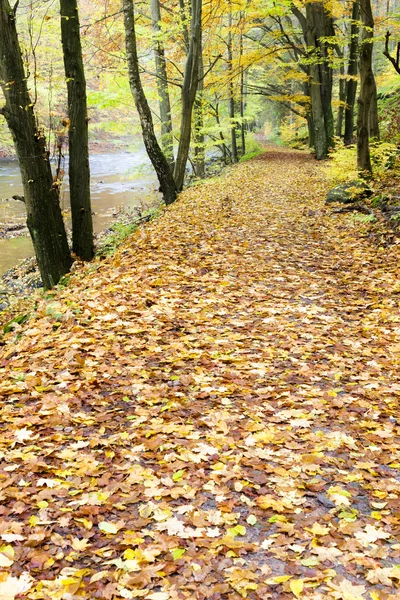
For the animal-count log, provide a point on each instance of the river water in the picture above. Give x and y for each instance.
(119, 180)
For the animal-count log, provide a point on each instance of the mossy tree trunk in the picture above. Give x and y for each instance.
(44, 218)
(352, 75)
(319, 30)
(79, 170)
(367, 87)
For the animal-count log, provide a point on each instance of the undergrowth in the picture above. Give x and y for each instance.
(342, 165)
(123, 228)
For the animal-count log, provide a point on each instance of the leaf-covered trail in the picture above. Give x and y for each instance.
(212, 413)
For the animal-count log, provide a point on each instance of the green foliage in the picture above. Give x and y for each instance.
(250, 155)
(253, 149)
(343, 161)
(19, 320)
(118, 234)
(364, 218)
(121, 230)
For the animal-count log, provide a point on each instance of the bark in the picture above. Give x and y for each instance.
(189, 89)
(231, 91)
(78, 136)
(367, 87)
(156, 156)
(242, 100)
(44, 218)
(319, 27)
(167, 143)
(374, 131)
(395, 61)
(199, 138)
(352, 72)
(342, 100)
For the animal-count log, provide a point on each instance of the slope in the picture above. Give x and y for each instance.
(212, 412)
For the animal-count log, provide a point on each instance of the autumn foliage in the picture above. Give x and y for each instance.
(212, 413)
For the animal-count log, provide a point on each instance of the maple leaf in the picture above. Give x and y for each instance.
(173, 526)
(22, 435)
(10, 587)
(380, 576)
(371, 534)
(327, 553)
(80, 545)
(347, 591)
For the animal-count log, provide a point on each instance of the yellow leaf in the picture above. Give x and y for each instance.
(318, 529)
(376, 515)
(78, 544)
(5, 562)
(251, 519)
(296, 587)
(108, 527)
(98, 576)
(279, 579)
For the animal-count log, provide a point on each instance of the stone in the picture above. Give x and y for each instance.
(347, 193)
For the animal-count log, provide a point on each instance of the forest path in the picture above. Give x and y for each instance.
(213, 412)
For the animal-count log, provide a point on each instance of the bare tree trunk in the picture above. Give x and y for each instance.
(162, 84)
(199, 138)
(79, 170)
(189, 89)
(242, 98)
(367, 87)
(231, 91)
(158, 160)
(352, 73)
(41, 194)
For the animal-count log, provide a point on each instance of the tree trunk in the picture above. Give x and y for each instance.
(44, 218)
(231, 91)
(374, 131)
(158, 160)
(79, 170)
(320, 27)
(242, 98)
(189, 89)
(352, 72)
(342, 101)
(367, 85)
(199, 138)
(167, 143)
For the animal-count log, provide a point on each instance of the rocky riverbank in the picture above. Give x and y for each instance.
(24, 278)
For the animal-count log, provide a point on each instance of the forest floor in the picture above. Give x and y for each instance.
(213, 412)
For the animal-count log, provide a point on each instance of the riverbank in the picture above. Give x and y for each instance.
(20, 281)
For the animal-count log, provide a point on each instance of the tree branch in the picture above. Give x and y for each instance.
(395, 61)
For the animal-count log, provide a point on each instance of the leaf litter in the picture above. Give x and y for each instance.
(213, 411)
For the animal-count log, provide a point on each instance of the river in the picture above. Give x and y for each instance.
(118, 180)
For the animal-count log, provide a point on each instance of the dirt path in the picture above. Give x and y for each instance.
(213, 413)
